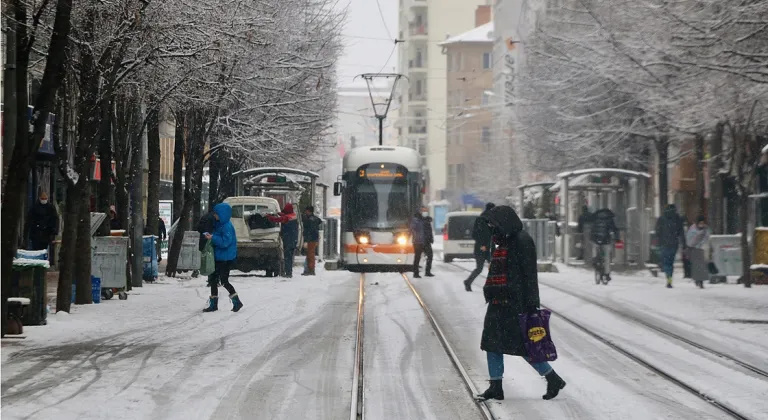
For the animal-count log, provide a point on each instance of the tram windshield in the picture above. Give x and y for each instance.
(379, 202)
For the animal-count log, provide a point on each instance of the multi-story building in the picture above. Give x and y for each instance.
(423, 24)
(469, 112)
(514, 20)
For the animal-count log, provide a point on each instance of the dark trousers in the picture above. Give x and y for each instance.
(288, 254)
(418, 249)
(479, 264)
(429, 255)
(221, 275)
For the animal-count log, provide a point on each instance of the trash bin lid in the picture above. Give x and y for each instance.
(26, 264)
(21, 300)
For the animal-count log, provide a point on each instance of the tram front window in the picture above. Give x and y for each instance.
(379, 205)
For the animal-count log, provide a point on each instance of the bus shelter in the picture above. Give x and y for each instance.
(539, 193)
(282, 184)
(623, 192)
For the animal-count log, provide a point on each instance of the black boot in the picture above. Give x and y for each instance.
(554, 384)
(416, 275)
(494, 392)
(213, 304)
(467, 285)
(429, 274)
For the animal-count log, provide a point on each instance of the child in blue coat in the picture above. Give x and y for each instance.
(224, 242)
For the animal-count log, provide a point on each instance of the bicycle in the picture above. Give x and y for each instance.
(599, 265)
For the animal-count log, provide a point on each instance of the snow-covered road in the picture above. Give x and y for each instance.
(289, 354)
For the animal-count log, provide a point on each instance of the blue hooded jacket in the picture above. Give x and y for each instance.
(224, 238)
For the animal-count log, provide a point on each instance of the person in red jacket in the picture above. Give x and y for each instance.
(289, 232)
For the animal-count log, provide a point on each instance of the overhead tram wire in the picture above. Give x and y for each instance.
(384, 21)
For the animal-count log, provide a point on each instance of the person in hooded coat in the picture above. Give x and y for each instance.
(429, 239)
(670, 231)
(43, 222)
(481, 233)
(511, 289)
(224, 242)
(289, 232)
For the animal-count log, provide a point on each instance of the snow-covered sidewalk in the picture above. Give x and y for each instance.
(287, 354)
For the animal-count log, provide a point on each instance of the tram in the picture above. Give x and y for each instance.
(381, 189)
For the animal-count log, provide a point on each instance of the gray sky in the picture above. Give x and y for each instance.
(367, 55)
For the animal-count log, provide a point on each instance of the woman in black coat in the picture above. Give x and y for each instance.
(511, 289)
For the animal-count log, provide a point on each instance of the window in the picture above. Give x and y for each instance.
(451, 176)
(418, 88)
(484, 100)
(487, 62)
(460, 175)
(486, 136)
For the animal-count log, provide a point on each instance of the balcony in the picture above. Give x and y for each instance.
(417, 129)
(417, 64)
(417, 97)
(418, 30)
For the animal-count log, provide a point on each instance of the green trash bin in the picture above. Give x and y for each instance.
(28, 281)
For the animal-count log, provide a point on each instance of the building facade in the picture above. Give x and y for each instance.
(423, 25)
(469, 109)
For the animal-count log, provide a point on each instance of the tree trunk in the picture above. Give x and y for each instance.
(105, 157)
(10, 102)
(746, 252)
(701, 199)
(68, 246)
(178, 164)
(716, 181)
(137, 224)
(214, 168)
(197, 203)
(662, 150)
(153, 178)
(82, 260)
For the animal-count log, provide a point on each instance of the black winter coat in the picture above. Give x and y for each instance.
(311, 228)
(43, 222)
(207, 223)
(501, 328)
(481, 233)
(670, 229)
(604, 228)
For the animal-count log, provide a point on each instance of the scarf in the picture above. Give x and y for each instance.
(496, 289)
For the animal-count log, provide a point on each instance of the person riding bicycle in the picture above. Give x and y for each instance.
(604, 234)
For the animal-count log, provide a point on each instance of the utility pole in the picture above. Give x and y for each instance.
(380, 109)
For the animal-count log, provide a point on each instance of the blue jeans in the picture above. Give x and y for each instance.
(668, 255)
(288, 256)
(496, 366)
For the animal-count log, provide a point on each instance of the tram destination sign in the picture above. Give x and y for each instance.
(380, 171)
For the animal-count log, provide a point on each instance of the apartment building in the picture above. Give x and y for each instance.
(469, 111)
(421, 118)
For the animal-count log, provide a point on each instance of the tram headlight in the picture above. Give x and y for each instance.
(402, 239)
(363, 238)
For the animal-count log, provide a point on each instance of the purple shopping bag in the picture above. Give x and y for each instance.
(538, 340)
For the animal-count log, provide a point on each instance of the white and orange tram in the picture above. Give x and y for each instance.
(381, 189)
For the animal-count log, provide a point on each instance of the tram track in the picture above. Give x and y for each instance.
(754, 369)
(643, 361)
(357, 409)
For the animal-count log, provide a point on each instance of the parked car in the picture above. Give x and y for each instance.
(457, 235)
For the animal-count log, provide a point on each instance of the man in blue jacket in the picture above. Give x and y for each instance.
(224, 241)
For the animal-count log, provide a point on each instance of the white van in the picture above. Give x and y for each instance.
(457, 235)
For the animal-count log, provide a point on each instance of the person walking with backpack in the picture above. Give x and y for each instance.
(670, 232)
(429, 240)
(418, 237)
(511, 289)
(481, 233)
(224, 241)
